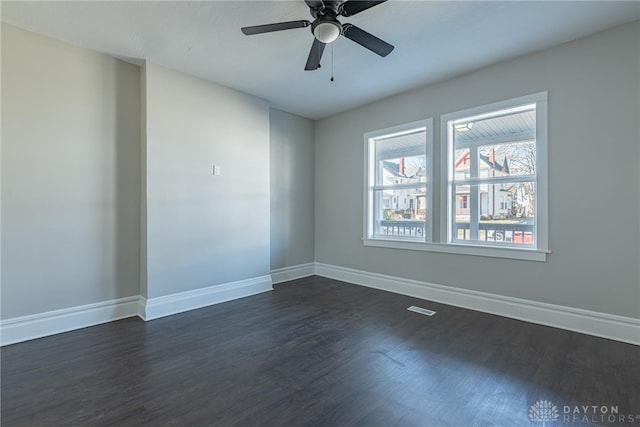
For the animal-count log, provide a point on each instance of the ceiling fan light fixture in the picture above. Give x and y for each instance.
(327, 31)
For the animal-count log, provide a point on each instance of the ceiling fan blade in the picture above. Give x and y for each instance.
(367, 40)
(315, 55)
(268, 28)
(351, 7)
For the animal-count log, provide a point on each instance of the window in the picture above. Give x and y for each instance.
(463, 202)
(494, 175)
(398, 198)
(492, 184)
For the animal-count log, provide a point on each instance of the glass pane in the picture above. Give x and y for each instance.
(401, 212)
(504, 126)
(462, 164)
(402, 170)
(509, 159)
(503, 212)
(401, 159)
(462, 203)
(408, 144)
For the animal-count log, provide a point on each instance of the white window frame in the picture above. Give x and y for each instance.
(369, 175)
(447, 210)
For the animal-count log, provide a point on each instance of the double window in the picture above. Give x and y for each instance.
(492, 182)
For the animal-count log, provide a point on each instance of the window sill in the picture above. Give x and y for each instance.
(453, 248)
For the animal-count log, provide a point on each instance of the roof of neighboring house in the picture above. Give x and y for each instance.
(393, 168)
(504, 167)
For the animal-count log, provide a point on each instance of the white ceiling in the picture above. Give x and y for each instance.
(434, 40)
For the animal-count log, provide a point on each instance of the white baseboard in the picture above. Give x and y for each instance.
(154, 308)
(619, 328)
(39, 325)
(24, 328)
(285, 274)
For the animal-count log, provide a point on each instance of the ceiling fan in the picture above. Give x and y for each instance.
(326, 28)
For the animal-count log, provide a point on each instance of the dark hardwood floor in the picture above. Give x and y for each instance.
(317, 352)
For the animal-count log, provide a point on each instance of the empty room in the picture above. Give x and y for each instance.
(320, 213)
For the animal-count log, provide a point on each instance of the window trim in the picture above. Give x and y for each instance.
(447, 121)
(370, 168)
(524, 254)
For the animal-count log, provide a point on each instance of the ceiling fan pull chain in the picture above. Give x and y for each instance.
(331, 61)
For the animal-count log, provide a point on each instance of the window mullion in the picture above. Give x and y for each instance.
(474, 195)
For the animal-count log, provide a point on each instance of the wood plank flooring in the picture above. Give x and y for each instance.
(318, 352)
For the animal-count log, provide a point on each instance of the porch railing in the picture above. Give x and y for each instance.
(498, 232)
(406, 228)
(487, 231)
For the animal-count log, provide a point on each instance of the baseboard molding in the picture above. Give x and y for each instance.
(154, 308)
(40, 325)
(24, 328)
(286, 274)
(618, 328)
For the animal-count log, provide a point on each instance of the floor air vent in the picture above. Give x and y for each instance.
(421, 310)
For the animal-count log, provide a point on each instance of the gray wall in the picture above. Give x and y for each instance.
(594, 142)
(204, 230)
(291, 190)
(94, 147)
(70, 175)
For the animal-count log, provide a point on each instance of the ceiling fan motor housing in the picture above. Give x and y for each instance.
(325, 8)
